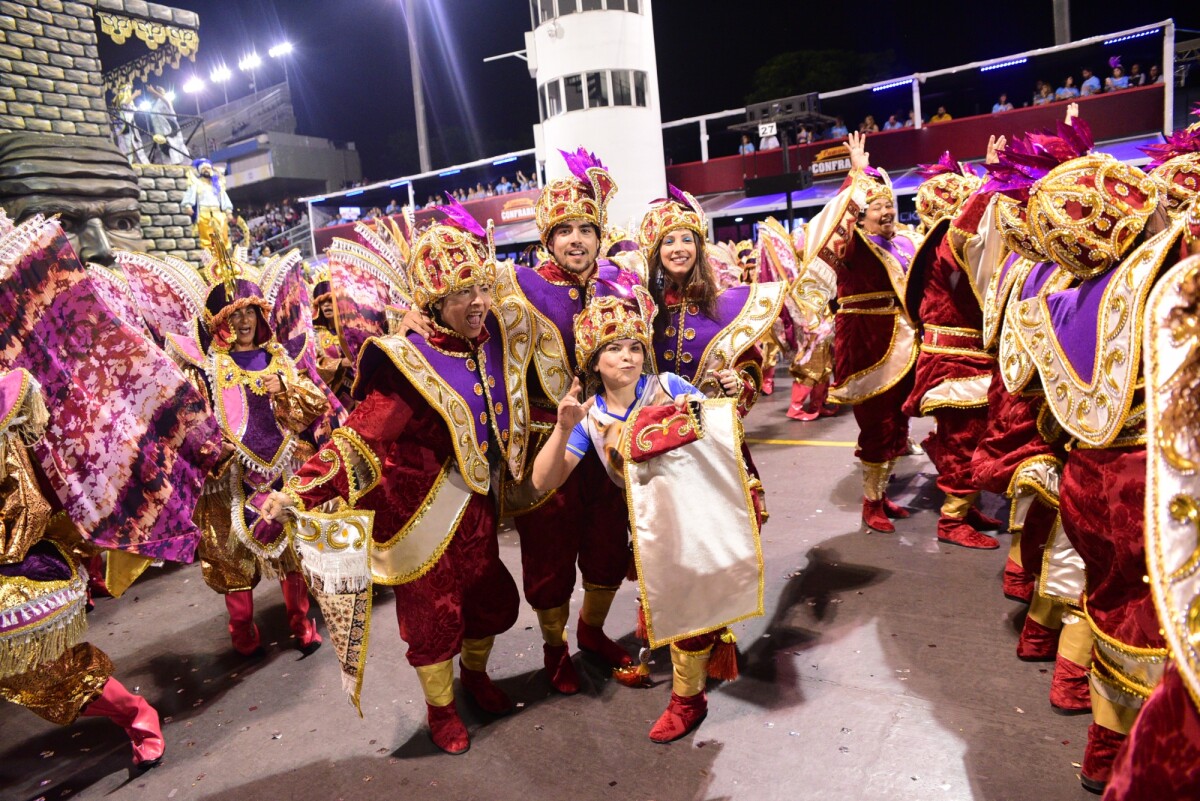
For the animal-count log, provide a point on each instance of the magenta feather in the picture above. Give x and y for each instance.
(460, 218)
(580, 162)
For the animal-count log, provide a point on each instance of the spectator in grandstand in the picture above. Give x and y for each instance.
(1155, 75)
(1136, 76)
(911, 122)
(1037, 91)
(892, 123)
(746, 147)
(941, 116)
(1118, 80)
(523, 183)
(868, 125)
(769, 143)
(804, 135)
(839, 129)
(504, 187)
(1091, 84)
(392, 207)
(1067, 91)
(1003, 105)
(1045, 96)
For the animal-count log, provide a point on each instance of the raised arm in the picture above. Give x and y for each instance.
(554, 462)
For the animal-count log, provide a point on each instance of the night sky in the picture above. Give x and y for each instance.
(350, 69)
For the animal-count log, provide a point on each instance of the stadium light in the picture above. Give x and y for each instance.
(280, 50)
(193, 85)
(221, 75)
(250, 63)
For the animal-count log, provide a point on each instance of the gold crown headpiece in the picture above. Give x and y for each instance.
(451, 255)
(946, 187)
(612, 317)
(584, 196)
(678, 210)
(1087, 212)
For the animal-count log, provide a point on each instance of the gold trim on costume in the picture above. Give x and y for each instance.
(753, 322)
(413, 550)
(885, 373)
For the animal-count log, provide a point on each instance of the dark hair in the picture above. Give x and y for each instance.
(593, 384)
(701, 287)
(564, 223)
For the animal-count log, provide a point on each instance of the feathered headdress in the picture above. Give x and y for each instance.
(946, 186)
(678, 210)
(452, 254)
(584, 196)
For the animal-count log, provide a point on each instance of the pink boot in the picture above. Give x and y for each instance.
(818, 404)
(295, 598)
(134, 714)
(768, 382)
(242, 630)
(800, 393)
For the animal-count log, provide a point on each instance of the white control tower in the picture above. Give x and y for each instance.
(597, 83)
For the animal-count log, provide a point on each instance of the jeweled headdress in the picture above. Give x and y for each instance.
(234, 287)
(1025, 161)
(947, 185)
(584, 196)
(611, 317)
(678, 210)
(456, 253)
(1176, 164)
(1087, 212)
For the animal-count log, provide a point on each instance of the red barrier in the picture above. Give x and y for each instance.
(1111, 116)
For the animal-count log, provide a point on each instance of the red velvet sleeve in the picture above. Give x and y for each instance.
(381, 419)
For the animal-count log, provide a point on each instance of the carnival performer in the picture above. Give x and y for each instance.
(618, 423)
(269, 410)
(953, 370)
(167, 145)
(583, 521)
(1021, 450)
(334, 367)
(44, 665)
(209, 204)
(1158, 758)
(706, 335)
(436, 418)
(875, 347)
(1085, 343)
(126, 134)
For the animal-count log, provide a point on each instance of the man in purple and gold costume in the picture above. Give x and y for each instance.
(437, 418)
(875, 345)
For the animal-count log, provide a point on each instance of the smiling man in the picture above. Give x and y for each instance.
(875, 345)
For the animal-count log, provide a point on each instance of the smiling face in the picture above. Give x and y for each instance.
(244, 325)
(619, 364)
(575, 246)
(464, 311)
(880, 218)
(677, 254)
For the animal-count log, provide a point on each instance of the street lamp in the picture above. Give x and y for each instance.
(221, 75)
(249, 64)
(194, 86)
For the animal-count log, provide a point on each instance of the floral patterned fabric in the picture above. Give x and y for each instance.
(130, 440)
(1159, 757)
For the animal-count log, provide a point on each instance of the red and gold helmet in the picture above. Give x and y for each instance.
(1179, 180)
(1087, 212)
(612, 317)
(1013, 225)
(449, 256)
(946, 187)
(678, 210)
(583, 196)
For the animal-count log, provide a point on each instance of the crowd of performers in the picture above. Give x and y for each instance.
(376, 428)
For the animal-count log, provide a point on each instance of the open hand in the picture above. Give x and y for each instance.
(996, 146)
(860, 159)
(1072, 112)
(570, 411)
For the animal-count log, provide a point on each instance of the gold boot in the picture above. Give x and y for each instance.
(688, 705)
(446, 728)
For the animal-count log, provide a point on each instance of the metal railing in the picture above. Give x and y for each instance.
(139, 123)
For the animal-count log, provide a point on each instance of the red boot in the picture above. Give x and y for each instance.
(683, 715)
(295, 598)
(1098, 756)
(1069, 692)
(768, 382)
(483, 691)
(801, 393)
(981, 522)
(1037, 643)
(446, 729)
(875, 518)
(242, 630)
(894, 510)
(1017, 584)
(955, 531)
(559, 669)
(595, 641)
(134, 714)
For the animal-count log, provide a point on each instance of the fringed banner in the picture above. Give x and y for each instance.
(119, 28)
